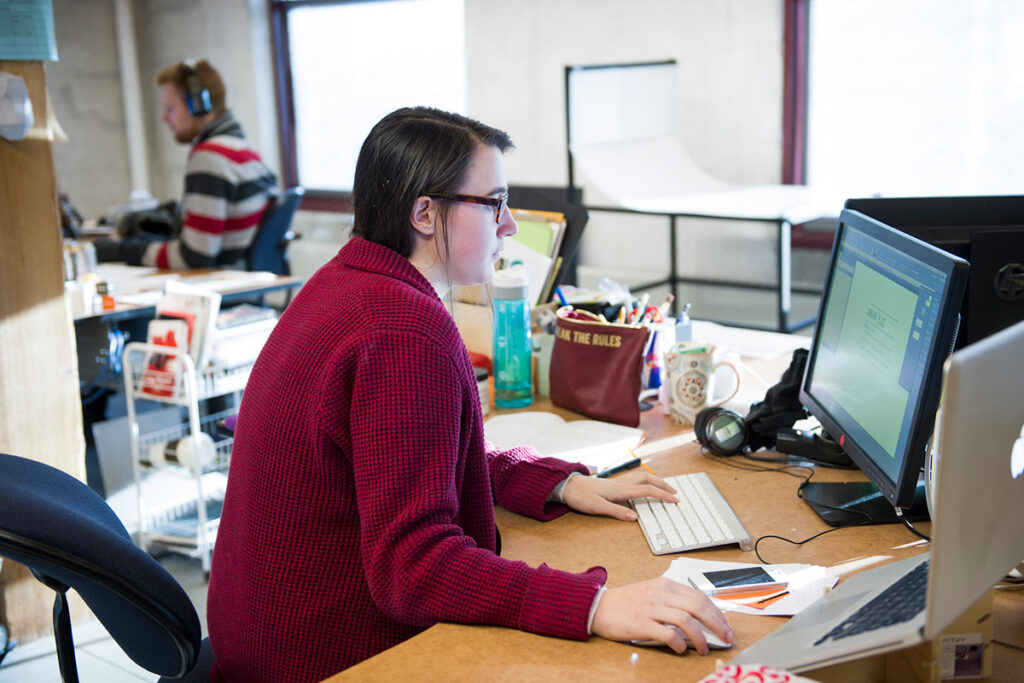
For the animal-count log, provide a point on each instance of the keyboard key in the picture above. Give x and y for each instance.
(900, 602)
(702, 518)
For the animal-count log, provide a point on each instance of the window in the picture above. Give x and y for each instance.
(341, 66)
(920, 97)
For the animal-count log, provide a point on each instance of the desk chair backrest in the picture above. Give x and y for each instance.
(70, 538)
(269, 251)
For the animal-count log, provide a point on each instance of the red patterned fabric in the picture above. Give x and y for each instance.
(359, 507)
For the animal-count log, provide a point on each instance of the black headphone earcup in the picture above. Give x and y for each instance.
(703, 427)
(198, 103)
(700, 425)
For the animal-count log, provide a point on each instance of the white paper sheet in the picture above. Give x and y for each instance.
(807, 583)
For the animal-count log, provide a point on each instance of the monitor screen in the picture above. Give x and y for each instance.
(886, 324)
(986, 231)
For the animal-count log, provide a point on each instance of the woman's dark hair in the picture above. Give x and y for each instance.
(410, 153)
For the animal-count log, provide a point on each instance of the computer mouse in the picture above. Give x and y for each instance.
(714, 642)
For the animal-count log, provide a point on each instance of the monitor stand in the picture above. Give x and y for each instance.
(815, 447)
(864, 497)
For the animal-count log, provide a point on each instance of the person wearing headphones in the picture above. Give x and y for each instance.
(227, 187)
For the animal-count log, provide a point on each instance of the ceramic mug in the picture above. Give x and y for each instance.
(691, 382)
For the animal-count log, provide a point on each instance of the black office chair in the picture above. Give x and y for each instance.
(70, 538)
(269, 251)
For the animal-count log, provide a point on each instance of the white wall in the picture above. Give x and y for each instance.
(85, 89)
(730, 101)
(729, 55)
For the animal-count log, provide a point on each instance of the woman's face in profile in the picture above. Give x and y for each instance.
(475, 239)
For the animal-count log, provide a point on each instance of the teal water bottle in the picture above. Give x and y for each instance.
(513, 376)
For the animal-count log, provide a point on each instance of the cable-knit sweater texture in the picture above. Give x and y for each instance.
(359, 507)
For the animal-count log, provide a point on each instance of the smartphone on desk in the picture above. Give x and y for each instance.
(734, 581)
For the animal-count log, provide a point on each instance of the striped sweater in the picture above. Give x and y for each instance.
(227, 191)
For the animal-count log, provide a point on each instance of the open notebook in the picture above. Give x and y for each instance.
(596, 444)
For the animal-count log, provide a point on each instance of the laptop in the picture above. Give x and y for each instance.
(977, 537)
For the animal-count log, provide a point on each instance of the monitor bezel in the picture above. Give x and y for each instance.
(899, 493)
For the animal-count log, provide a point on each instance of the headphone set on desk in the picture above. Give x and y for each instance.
(197, 98)
(721, 431)
(725, 433)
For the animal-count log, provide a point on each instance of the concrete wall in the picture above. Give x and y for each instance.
(85, 87)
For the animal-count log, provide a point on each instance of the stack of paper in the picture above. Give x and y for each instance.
(198, 307)
(806, 583)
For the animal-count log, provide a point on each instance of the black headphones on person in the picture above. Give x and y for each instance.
(721, 431)
(197, 98)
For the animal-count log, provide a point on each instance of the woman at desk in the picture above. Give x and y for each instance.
(359, 508)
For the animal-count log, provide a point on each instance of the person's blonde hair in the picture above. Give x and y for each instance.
(206, 75)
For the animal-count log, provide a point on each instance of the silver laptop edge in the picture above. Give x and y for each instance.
(973, 545)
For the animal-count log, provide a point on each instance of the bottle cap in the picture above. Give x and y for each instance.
(511, 283)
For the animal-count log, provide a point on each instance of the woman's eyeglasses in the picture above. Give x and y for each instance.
(499, 203)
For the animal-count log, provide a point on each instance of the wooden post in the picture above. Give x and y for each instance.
(40, 409)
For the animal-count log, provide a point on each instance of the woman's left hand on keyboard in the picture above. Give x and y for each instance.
(596, 496)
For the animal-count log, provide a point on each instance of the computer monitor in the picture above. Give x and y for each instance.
(987, 231)
(886, 323)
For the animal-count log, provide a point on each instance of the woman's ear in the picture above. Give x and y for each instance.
(424, 210)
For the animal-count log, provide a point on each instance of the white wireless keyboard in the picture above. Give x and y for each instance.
(701, 519)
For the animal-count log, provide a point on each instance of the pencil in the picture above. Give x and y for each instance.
(637, 457)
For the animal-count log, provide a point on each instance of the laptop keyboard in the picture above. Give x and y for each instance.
(900, 602)
(701, 519)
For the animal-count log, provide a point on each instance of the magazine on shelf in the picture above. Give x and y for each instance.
(160, 371)
(198, 307)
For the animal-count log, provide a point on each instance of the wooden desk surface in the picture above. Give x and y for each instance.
(765, 502)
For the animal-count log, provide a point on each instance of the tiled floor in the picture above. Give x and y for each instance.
(99, 658)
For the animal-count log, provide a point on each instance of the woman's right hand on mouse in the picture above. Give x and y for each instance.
(644, 611)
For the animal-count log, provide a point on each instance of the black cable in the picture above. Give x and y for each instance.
(792, 542)
(1013, 646)
(910, 527)
(799, 493)
(730, 462)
